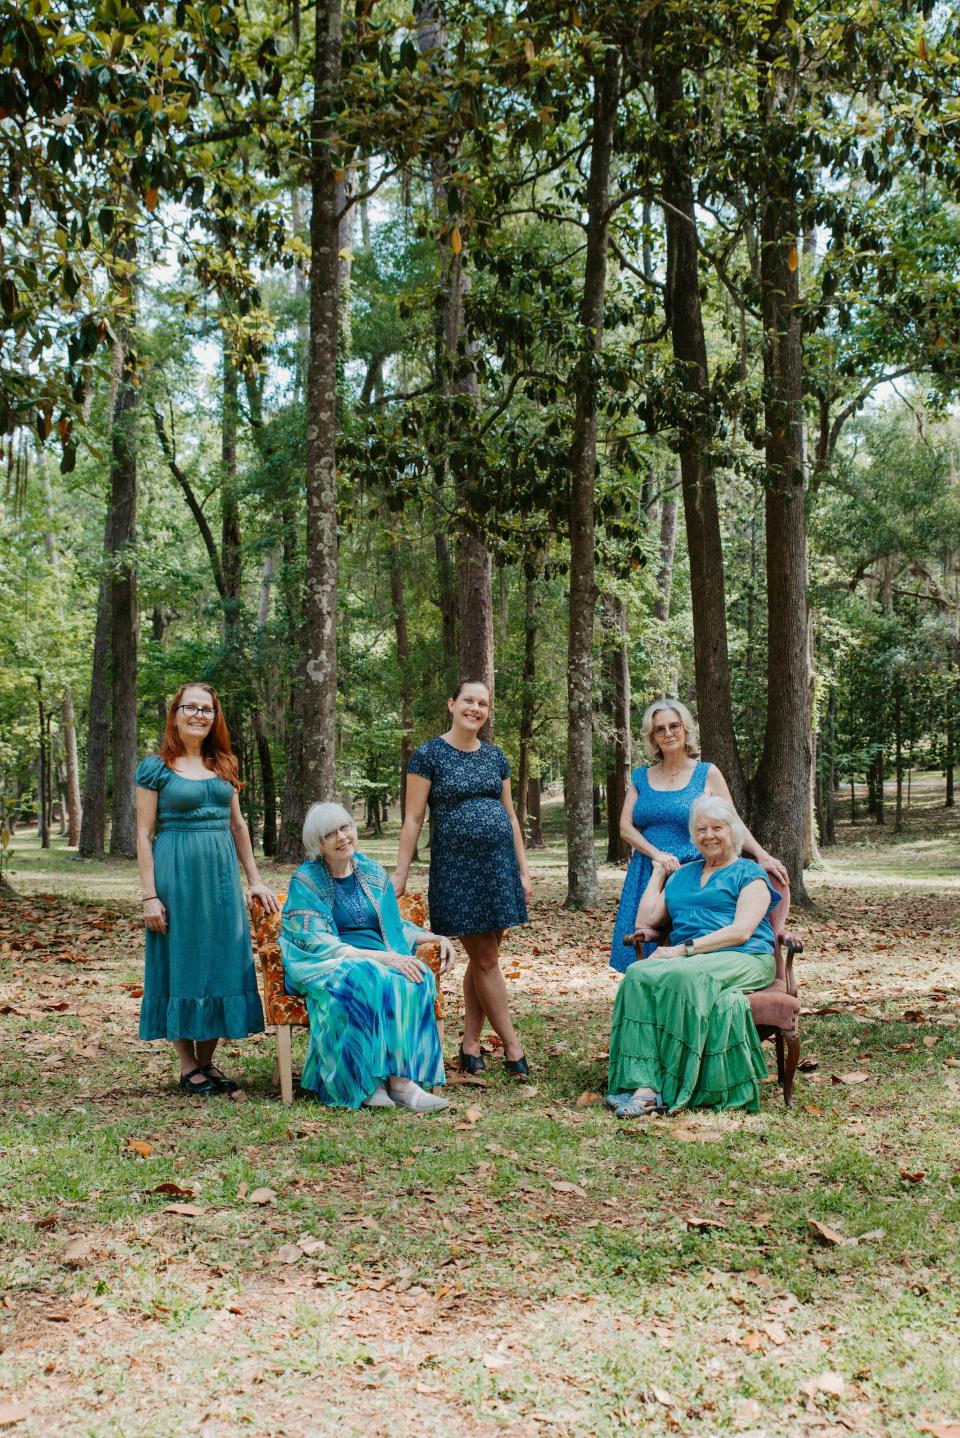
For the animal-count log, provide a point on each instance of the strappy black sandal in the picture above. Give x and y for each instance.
(216, 1076)
(518, 1067)
(205, 1089)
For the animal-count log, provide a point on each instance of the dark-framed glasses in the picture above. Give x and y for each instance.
(197, 711)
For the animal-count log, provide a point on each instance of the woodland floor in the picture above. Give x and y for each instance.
(521, 1264)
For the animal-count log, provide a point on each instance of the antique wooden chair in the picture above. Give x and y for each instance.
(776, 1010)
(288, 1011)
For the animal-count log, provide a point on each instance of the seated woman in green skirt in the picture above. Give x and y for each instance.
(683, 1034)
(373, 1036)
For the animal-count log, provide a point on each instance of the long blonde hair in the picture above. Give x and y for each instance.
(692, 741)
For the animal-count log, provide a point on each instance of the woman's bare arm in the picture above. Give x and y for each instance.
(415, 808)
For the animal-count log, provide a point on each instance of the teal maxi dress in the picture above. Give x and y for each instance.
(683, 1027)
(199, 979)
(367, 1021)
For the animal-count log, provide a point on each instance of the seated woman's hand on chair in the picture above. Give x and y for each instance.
(448, 954)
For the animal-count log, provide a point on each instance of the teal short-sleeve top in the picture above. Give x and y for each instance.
(695, 910)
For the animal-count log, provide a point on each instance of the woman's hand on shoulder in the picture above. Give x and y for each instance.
(155, 916)
(408, 964)
(266, 896)
(669, 863)
(773, 867)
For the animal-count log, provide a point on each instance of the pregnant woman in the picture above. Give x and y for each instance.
(656, 813)
(479, 881)
(199, 982)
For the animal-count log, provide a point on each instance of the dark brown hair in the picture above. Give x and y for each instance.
(462, 683)
(216, 750)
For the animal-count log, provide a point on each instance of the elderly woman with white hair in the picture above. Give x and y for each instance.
(373, 1035)
(656, 811)
(683, 1035)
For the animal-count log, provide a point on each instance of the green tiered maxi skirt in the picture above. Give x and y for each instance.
(683, 1028)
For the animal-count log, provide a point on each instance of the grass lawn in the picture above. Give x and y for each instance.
(520, 1264)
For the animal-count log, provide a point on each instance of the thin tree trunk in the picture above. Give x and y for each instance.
(668, 546)
(93, 818)
(399, 606)
(951, 705)
(318, 670)
(293, 794)
(43, 776)
(534, 816)
(617, 694)
(527, 690)
(898, 753)
(782, 785)
(72, 784)
(700, 505)
(583, 890)
(124, 619)
(878, 769)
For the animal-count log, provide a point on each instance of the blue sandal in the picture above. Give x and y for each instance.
(643, 1107)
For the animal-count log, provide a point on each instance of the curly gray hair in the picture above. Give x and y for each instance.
(712, 806)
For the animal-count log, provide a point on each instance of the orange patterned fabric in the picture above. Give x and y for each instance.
(283, 1008)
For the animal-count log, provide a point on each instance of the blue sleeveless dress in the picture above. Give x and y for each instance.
(662, 818)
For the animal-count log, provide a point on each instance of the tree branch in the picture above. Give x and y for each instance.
(194, 505)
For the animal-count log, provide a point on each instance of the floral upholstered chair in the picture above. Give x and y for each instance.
(287, 1011)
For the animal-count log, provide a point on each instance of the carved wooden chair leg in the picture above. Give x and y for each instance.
(285, 1062)
(790, 1068)
(778, 1039)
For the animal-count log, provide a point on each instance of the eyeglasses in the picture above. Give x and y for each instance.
(197, 711)
(340, 829)
(668, 728)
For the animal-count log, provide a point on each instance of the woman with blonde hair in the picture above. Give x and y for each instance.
(656, 811)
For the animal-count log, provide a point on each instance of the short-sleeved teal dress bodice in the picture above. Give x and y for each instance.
(199, 979)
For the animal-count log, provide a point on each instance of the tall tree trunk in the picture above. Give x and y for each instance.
(700, 505)
(318, 675)
(294, 796)
(124, 618)
(527, 691)
(457, 372)
(668, 547)
(617, 693)
(782, 785)
(93, 819)
(398, 604)
(43, 769)
(583, 890)
(951, 723)
(828, 774)
(72, 784)
(898, 752)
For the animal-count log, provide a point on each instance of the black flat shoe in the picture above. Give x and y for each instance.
(205, 1089)
(217, 1077)
(470, 1063)
(517, 1066)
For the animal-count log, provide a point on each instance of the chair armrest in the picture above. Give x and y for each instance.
(792, 944)
(641, 937)
(791, 947)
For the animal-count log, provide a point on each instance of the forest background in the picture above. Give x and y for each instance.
(599, 351)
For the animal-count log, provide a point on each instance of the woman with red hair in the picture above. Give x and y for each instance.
(199, 983)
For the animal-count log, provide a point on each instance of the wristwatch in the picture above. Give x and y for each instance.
(688, 951)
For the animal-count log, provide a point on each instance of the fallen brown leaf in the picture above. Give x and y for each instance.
(262, 1195)
(473, 1115)
(693, 1221)
(289, 1253)
(11, 1413)
(823, 1234)
(587, 1098)
(77, 1251)
(916, 1177)
(183, 1210)
(663, 1396)
(858, 1076)
(173, 1190)
(942, 1430)
(563, 1185)
(140, 1146)
(833, 1384)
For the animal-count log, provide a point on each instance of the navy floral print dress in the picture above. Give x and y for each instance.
(474, 876)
